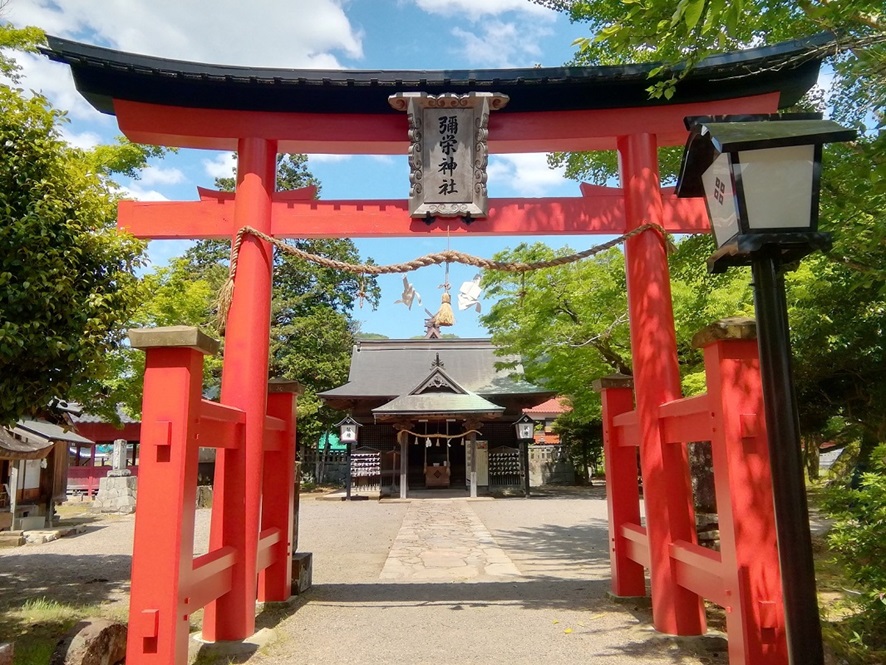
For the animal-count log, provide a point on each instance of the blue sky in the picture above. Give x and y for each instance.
(355, 34)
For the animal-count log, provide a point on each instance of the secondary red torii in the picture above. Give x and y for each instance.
(261, 112)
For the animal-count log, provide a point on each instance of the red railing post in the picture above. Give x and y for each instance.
(164, 518)
(622, 484)
(743, 481)
(666, 486)
(280, 494)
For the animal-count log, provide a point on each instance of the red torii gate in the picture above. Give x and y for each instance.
(258, 113)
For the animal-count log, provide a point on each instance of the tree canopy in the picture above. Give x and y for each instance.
(68, 282)
(67, 277)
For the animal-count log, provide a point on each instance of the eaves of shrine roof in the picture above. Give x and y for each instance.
(102, 75)
(439, 404)
(390, 368)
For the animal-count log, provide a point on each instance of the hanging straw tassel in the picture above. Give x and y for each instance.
(226, 295)
(444, 316)
(223, 305)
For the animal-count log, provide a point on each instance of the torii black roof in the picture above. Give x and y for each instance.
(102, 75)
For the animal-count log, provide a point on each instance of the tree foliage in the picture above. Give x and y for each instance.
(173, 295)
(15, 39)
(570, 323)
(66, 276)
(858, 539)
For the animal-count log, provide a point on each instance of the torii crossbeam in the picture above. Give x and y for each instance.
(601, 210)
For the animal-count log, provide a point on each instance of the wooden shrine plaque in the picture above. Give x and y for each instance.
(448, 151)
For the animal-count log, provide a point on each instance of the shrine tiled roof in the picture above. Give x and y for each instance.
(390, 368)
(555, 405)
(102, 75)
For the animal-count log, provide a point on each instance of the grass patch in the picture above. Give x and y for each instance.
(38, 624)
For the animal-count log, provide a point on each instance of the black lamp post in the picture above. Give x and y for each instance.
(347, 428)
(525, 427)
(760, 178)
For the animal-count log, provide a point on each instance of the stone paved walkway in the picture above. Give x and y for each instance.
(443, 540)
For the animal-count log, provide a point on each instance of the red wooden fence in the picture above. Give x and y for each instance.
(744, 576)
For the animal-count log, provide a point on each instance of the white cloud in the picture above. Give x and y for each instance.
(478, 8)
(525, 174)
(222, 166)
(136, 192)
(501, 44)
(488, 39)
(223, 31)
(154, 175)
(83, 140)
(323, 158)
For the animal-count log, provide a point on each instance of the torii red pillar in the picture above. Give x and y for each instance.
(238, 473)
(666, 484)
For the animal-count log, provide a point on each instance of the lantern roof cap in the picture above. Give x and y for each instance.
(711, 136)
(347, 420)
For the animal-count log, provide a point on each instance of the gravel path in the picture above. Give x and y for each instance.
(526, 581)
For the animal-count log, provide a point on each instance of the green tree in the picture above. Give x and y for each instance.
(14, 39)
(858, 539)
(172, 296)
(66, 275)
(569, 325)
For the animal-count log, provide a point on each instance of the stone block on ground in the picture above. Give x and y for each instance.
(116, 494)
(92, 642)
(302, 566)
(11, 538)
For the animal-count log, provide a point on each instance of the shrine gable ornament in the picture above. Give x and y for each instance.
(448, 151)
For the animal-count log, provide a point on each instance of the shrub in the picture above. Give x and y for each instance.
(858, 540)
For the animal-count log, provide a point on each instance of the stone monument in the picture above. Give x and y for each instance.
(118, 459)
(116, 492)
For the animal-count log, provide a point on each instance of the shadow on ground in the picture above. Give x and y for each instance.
(585, 543)
(557, 595)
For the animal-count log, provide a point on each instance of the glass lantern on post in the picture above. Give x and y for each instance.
(760, 178)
